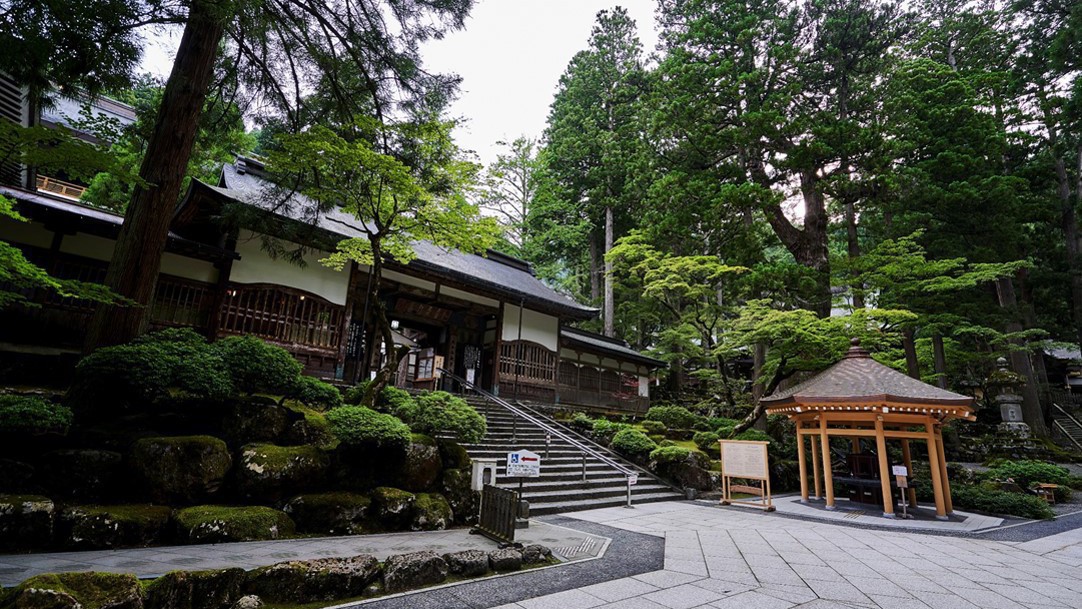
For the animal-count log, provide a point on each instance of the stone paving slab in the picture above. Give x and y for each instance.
(960, 522)
(567, 544)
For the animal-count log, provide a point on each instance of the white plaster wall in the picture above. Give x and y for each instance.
(256, 266)
(25, 233)
(406, 279)
(537, 327)
(100, 248)
(469, 297)
(644, 386)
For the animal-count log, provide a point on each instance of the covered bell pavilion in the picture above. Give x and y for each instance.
(860, 399)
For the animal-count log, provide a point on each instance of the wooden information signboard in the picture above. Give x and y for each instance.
(748, 461)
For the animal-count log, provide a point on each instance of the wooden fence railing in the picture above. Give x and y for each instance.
(499, 509)
(281, 314)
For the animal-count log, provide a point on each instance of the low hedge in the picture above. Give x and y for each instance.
(673, 417)
(438, 411)
(707, 441)
(633, 443)
(976, 497)
(605, 430)
(1026, 473)
(315, 393)
(363, 427)
(581, 422)
(669, 454)
(256, 366)
(653, 427)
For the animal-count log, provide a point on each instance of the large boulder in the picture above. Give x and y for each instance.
(421, 466)
(269, 473)
(692, 472)
(92, 590)
(19, 477)
(467, 563)
(454, 455)
(216, 523)
(216, 589)
(180, 469)
(535, 554)
(392, 508)
(455, 486)
(431, 512)
(254, 420)
(249, 601)
(305, 581)
(26, 522)
(505, 559)
(86, 475)
(97, 527)
(413, 570)
(330, 513)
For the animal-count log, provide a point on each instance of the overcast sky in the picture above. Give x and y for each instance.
(510, 56)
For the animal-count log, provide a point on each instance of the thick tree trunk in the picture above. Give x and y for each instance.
(595, 264)
(387, 371)
(808, 245)
(909, 344)
(133, 271)
(1069, 223)
(1032, 412)
(610, 305)
(939, 358)
(757, 389)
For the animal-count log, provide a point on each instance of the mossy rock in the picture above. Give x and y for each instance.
(19, 477)
(420, 469)
(218, 523)
(330, 513)
(413, 570)
(392, 508)
(99, 527)
(454, 456)
(310, 427)
(181, 469)
(215, 589)
(254, 420)
(85, 475)
(431, 512)
(91, 590)
(26, 522)
(306, 581)
(38, 598)
(455, 486)
(270, 473)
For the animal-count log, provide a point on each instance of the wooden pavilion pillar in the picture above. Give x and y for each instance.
(815, 468)
(948, 504)
(937, 473)
(801, 460)
(884, 469)
(908, 462)
(828, 475)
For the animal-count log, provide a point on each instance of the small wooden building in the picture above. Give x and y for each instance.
(859, 398)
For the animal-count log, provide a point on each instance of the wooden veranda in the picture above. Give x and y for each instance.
(859, 398)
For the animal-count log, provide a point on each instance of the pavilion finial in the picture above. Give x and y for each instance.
(855, 350)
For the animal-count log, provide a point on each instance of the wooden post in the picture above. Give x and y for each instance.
(856, 446)
(815, 469)
(908, 462)
(347, 317)
(948, 504)
(884, 469)
(801, 460)
(828, 475)
(937, 473)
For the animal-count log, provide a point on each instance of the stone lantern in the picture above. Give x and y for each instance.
(1009, 402)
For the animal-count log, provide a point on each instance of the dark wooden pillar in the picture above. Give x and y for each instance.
(347, 317)
(497, 351)
(221, 287)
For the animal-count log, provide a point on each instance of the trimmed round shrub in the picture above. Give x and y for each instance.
(256, 366)
(582, 422)
(653, 427)
(753, 435)
(364, 427)
(717, 423)
(438, 411)
(1026, 472)
(390, 398)
(146, 368)
(669, 454)
(975, 497)
(316, 394)
(707, 441)
(674, 417)
(30, 414)
(605, 430)
(633, 443)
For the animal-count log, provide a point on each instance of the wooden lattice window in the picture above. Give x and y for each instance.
(527, 363)
(282, 315)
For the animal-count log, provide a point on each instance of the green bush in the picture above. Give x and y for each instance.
(653, 427)
(363, 427)
(1026, 473)
(146, 368)
(753, 435)
(390, 399)
(316, 394)
(604, 429)
(669, 454)
(438, 411)
(633, 443)
(719, 422)
(582, 422)
(1000, 502)
(664, 441)
(674, 417)
(256, 366)
(725, 432)
(707, 441)
(29, 414)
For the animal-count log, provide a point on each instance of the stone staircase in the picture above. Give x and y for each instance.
(561, 487)
(1068, 426)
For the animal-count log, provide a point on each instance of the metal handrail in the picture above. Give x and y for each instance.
(1067, 434)
(545, 426)
(1064, 429)
(1066, 414)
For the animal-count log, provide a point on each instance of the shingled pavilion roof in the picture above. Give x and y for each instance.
(859, 380)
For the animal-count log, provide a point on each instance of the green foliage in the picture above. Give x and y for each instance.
(604, 429)
(363, 427)
(256, 366)
(976, 497)
(673, 417)
(753, 435)
(315, 393)
(669, 454)
(27, 414)
(633, 443)
(148, 367)
(1026, 473)
(707, 441)
(653, 427)
(582, 422)
(389, 400)
(438, 411)
(717, 423)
